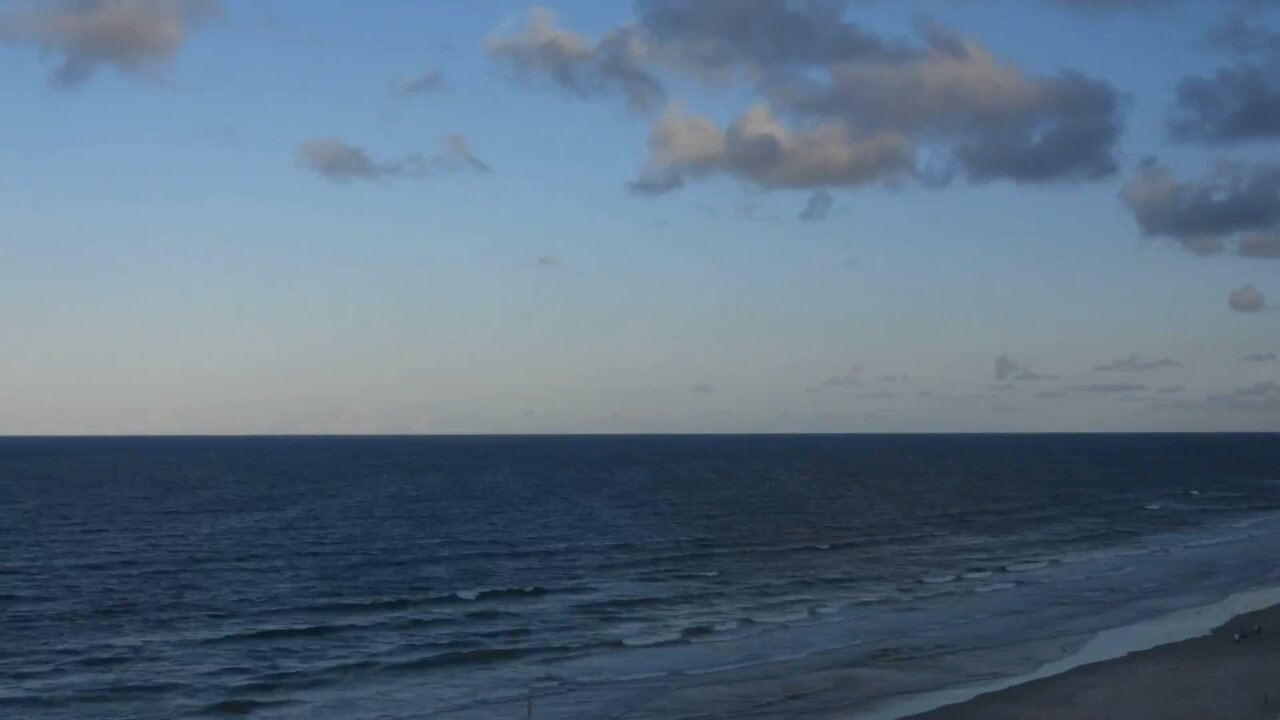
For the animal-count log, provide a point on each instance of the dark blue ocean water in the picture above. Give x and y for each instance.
(636, 577)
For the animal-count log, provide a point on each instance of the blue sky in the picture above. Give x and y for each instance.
(179, 255)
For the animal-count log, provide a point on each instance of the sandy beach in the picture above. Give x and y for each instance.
(1212, 676)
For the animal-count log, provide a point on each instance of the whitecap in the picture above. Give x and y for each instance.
(649, 640)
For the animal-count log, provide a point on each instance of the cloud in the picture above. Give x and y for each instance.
(880, 395)
(1247, 299)
(1260, 357)
(1006, 368)
(341, 162)
(1171, 390)
(656, 183)
(851, 378)
(430, 81)
(759, 147)
(456, 155)
(702, 388)
(1236, 210)
(1051, 394)
(1260, 245)
(543, 51)
(1240, 102)
(833, 104)
(817, 207)
(718, 40)
(890, 120)
(1111, 387)
(548, 261)
(1133, 363)
(1258, 397)
(139, 38)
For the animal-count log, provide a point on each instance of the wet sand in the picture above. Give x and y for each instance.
(1204, 678)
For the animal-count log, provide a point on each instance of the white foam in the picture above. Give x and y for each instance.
(647, 640)
(1107, 645)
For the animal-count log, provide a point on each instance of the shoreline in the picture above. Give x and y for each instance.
(1181, 665)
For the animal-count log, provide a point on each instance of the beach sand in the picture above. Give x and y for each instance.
(1204, 678)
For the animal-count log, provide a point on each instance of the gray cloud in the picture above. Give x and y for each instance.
(430, 81)
(1240, 102)
(837, 104)
(880, 395)
(1258, 397)
(702, 388)
(1259, 245)
(544, 51)
(759, 147)
(656, 183)
(1171, 390)
(1260, 357)
(1111, 387)
(1006, 368)
(817, 207)
(1246, 37)
(342, 162)
(1134, 363)
(893, 119)
(851, 378)
(1051, 394)
(1247, 299)
(548, 261)
(1236, 210)
(139, 38)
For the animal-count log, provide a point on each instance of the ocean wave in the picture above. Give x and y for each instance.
(241, 707)
(456, 658)
(781, 617)
(281, 633)
(939, 579)
(1026, 566)
(995, 587)
(344, 607)
(615, 605)
(650, 640)
(490, 614)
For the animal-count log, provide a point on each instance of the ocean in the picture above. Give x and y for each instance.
(641, 577)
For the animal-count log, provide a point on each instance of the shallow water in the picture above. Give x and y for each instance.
(645, 577)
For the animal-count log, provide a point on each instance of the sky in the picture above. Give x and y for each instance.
(271, 216)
